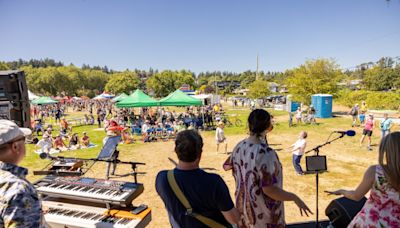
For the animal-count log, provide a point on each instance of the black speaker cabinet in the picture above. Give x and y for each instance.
(342, 210)
(14, 101)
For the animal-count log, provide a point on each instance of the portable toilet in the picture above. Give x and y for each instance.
(322, 104)
(291, 106)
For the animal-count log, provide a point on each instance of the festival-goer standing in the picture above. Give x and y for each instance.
(298, 149)
(367, 131)
(361, 117)
(258, 175)
(383, 182)
(385, 125)
(220, 136)
(298, 115)
(20, 205)
(354, 114)
(364, 107)
(206, 193)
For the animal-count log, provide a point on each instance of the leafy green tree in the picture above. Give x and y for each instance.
(206, 89)
(258, 89)
(126, 82)
(3, 66)
(168, 81)
(380, 78)
(313, 77)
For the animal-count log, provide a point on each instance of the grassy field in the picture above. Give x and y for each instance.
(346, 161)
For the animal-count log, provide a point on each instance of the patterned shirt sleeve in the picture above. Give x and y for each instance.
(23, 210)
(267, 167)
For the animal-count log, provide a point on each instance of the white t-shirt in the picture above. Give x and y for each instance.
(219, 134)
(299, 147)
(44, 144)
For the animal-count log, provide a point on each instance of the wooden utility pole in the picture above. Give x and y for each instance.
(257, 69)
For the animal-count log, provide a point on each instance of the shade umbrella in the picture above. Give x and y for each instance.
(179, 98)
(44, 101)
(137, 99)
(120, 97)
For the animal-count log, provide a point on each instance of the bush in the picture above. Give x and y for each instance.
(375, 100)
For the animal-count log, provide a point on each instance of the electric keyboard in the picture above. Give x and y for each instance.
(89, 189)
(61, 215)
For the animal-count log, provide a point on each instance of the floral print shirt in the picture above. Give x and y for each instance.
(382, 209)
(255, 166)
(19, 203)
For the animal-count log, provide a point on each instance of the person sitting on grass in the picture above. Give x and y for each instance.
(45, 144)
(85, 140)
(74, 142)
(127, 137)
(383, 183)
(38, 127)
(59, 144)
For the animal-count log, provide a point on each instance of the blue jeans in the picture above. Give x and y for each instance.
(384, 133)
(296, 163)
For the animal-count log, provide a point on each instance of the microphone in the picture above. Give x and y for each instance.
(348, 132)
(47, 156)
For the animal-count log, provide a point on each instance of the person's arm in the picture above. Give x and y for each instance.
(279, 194)
(228, 164)
(232, 216)
(361, 190)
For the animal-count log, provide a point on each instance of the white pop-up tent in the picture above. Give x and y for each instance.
(32, 96)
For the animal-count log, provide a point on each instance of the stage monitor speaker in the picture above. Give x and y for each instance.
(342, 210)
(14, 101)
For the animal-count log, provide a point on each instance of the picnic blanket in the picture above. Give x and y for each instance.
(54, 151)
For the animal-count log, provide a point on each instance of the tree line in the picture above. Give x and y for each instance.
(50, 77)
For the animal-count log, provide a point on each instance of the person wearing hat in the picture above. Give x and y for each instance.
(367, 131)
(220, 136)
(20, 206)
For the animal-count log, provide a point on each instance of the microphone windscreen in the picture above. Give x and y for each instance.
(43, 155)
(350, 133)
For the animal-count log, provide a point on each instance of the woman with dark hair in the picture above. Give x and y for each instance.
(258, 175)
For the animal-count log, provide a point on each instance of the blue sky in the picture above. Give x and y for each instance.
(202, 35)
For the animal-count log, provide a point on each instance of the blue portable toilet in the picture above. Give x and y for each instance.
(291, 105)
(322, 104)
(294, 105)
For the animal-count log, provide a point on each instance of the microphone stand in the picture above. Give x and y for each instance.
(316, 150)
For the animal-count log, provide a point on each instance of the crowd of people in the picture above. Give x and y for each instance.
(361, 117)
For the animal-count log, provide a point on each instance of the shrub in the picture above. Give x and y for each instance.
(375, 100)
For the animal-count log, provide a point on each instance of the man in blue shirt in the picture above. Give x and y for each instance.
(207, 193)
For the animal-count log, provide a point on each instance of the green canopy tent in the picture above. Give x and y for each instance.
(44, 101)
(137, 99)
(179, 98)
(120, 97)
